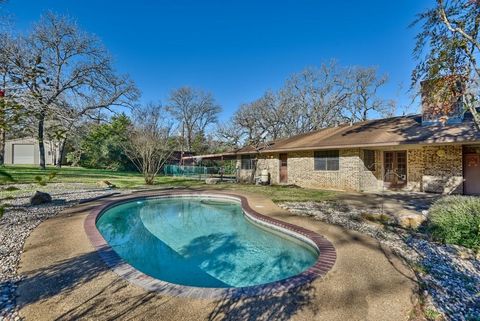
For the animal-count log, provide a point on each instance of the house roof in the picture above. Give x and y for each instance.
(403, 130)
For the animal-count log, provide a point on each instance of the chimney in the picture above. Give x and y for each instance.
(442, 100)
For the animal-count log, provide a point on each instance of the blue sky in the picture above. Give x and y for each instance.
(238, 49)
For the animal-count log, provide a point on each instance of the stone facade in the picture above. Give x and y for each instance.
(415, 168)
(371, 180)
(436, 169)
(301, 171)
(443, 169)
(269, 162)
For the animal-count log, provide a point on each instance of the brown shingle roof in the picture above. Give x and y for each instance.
(403, 130)
(382, 132)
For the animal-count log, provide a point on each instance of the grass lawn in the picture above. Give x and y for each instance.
(28, 174)
(282, 193)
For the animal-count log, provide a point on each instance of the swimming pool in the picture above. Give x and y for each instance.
(202, 242)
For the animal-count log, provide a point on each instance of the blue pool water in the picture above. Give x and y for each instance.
(204, 243)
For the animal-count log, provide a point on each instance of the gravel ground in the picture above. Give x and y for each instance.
(449, 275)
(19, 219)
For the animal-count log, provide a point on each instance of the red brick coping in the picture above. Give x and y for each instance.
(325, 261)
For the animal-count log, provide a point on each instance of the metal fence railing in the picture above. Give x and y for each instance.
(197, 172)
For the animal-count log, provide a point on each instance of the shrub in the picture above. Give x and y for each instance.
(456, 220)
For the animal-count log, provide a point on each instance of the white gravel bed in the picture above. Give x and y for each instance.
(450, 275)
(19, 219)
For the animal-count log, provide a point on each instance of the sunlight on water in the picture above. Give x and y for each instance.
(205, 243)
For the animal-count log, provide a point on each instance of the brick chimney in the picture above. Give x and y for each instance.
(442, 100)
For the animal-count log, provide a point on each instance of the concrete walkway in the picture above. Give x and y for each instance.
(391, 203)
(66, 280)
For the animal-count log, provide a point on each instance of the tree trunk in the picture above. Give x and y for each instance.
(61, 152)
(2, 146)
(189, 141)
(41, 144)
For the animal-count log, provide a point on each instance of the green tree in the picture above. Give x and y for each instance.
(102, 145)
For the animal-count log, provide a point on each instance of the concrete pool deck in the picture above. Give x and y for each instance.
(65, 279)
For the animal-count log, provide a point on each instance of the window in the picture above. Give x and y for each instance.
(326, 160)
(369, 160)
(246, 162)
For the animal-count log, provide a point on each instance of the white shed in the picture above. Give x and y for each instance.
(25, 151)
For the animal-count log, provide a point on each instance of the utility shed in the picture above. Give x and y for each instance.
(25, 151)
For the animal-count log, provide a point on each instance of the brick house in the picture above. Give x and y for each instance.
(395, 153)
(432, 152)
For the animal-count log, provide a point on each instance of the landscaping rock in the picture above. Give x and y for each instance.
(19, 219)
(105, 184)
(212, 181)
(412, 221)
(377, 218)
(40, 198)
(451, 279)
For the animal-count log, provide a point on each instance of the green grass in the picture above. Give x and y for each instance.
(30, 174)
(432, 315)
(280, 193)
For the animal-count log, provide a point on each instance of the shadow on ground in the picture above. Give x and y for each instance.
(114, 299)
(277, 306)
(61, 278)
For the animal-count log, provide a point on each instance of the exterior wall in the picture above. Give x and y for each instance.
(269, 162)
(443, 171)
(49, 150)
(371, 181)
(437, 172)
(301, 171)
(415, 169)
(428, 170)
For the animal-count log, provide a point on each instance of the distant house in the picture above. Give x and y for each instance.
(432, 152)
(25, 151)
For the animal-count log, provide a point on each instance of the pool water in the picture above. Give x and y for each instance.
(201, 242)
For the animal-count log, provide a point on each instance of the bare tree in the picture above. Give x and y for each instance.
(194, 110)
(108, 92)
(362, 85)
(58, 63)
(151, 142)
(10, 109)
(448, 45)
(313, 98)
(230, 134)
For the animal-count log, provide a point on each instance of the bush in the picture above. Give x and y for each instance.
(456, 220)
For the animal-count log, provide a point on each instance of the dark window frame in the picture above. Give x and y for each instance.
(370, 164)
(246, 162)
(326, 160)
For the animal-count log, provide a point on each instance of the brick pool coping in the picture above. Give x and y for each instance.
(325, 261)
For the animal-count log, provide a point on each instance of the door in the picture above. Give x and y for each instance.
(395, 175)
(23, 154)
(283, 168)
(471, 174)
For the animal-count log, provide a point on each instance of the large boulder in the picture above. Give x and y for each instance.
(105, 184)
(212, 181)
(40, 198)
(411, 221)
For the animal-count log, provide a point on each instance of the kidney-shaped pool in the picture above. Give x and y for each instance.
(202, 242)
